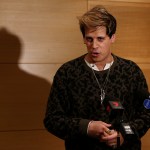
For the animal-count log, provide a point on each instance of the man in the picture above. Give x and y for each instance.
(82, 89)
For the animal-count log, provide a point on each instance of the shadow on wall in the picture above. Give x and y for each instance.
(23, 96)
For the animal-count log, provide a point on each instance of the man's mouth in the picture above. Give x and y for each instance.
(94, 54)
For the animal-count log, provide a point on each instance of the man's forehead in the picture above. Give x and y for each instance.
(100, 31)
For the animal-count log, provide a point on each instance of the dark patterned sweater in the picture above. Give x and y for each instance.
(74, 100)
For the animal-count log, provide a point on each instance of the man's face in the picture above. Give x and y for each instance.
(98, 45)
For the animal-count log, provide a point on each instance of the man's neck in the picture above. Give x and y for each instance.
(100, 65)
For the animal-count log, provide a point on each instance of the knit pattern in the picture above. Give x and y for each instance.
(74, 100)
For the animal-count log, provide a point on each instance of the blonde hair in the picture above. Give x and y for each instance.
(96, 17)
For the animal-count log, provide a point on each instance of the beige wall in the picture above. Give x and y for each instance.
(36, 37)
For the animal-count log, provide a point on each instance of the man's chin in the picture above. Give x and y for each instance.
(96, 59)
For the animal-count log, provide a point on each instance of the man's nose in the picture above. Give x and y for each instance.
(95, 44)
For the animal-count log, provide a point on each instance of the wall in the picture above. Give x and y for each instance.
(36, 37)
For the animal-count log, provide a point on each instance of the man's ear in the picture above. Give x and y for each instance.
(84, 40)
(113, 38)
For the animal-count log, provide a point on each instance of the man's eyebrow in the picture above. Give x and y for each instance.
(87, 36)
(102, 37)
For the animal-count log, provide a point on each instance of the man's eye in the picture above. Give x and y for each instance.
(89, 39)
(100, 39)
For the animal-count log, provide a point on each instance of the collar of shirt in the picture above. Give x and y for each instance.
(96, 68)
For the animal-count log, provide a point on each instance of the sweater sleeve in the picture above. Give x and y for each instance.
(58, 119)
(141, 119)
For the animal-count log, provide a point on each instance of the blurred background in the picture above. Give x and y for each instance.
(36, 37)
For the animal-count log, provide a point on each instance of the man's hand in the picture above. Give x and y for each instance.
(97, 128)
(100, 130)
(110, 138)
